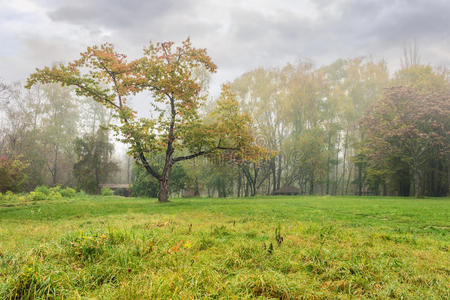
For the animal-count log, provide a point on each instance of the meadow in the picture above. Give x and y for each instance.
(303, 247)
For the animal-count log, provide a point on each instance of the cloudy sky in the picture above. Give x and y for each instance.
(239, 34)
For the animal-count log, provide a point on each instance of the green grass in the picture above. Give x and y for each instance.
(133, 248)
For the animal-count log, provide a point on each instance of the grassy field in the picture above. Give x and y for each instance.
(268, 247)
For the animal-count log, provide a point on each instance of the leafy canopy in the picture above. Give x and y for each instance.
(168, 73)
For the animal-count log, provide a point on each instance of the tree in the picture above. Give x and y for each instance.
(20, 122)
(59, 126)
(259, 93)
(12, 175)
(411, 125)
(167, 72)
(94, 164)
(310, 160)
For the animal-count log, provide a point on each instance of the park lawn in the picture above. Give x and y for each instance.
(307, 247)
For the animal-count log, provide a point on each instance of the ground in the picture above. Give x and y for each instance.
(269, 247)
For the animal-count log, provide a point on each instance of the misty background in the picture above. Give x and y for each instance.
(239, 35)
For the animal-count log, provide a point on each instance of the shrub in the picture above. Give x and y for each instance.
(37, 195)
(8, 196)
(42, 189)
(56, 188)
(54, 195)
(12, 175)
(106, 191)
(68, 192)
(42, 193)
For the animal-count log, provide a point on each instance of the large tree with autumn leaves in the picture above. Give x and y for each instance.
(178, 129)
(409, 127)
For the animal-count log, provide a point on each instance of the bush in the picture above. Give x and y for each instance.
(106, 191)
(57, 189)
(37, 196)
(68, 192)
(44, 193)
(54, 195)
(8, 196)
(42, 189)
(12, 175)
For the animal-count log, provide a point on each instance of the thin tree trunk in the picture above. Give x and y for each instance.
(359, 180)
(279, 172)
(239, 184)
(55, 165)
(336, 169)
(348, 179)
(344, 166)
(417, 184)
(274, 175)
(328, 164)
(196, 188)
(246, 187)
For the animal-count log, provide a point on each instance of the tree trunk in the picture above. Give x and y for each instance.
(279, 171)
(360, 185)
(417, 184)
(343, 163)
(196, 188)
(163, 192)
(336, 168)
(246, 188)
(348, 179)
(274, 175)
(328, 164)
(239, 185)
(55, 165)
(311, 185)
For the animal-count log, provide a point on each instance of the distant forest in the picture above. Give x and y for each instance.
(348, 128)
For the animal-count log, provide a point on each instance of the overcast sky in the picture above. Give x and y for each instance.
(239, 35)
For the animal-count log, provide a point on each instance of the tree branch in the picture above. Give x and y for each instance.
(147, 166)
(181, 158)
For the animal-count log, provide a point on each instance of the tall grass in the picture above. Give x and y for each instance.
(286, 248)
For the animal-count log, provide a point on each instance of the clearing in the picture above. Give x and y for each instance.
(270, 247)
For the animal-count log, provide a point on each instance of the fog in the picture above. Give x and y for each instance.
(239, 35)
(314, 77)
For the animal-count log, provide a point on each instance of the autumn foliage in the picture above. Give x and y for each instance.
(408, 126)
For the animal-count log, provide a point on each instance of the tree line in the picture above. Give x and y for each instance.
(51, 137)
(348, 128)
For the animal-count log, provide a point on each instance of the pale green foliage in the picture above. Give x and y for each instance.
(106, 191)
(68, 192)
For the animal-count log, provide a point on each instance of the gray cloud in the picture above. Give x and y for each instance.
(115, 14)
(240, 35)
